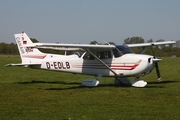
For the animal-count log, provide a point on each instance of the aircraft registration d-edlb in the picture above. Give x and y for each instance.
(116, 61)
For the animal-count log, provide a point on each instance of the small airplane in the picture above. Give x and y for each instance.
(116, 61)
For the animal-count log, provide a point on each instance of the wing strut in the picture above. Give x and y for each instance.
(143, 49)
(102, 62)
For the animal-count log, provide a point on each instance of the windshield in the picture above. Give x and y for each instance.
(124, 49)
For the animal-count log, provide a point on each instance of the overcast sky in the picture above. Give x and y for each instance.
(82, 21)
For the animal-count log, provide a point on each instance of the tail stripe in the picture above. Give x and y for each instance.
(35, 56)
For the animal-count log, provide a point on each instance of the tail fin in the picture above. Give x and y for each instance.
(28, 54)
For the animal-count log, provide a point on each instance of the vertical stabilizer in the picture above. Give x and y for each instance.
(28, 54)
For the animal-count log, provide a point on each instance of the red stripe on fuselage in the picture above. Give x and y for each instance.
(114, 67)
(35, 56)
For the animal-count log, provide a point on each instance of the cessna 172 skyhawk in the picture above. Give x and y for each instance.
(116, 61)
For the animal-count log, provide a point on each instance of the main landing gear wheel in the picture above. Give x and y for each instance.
(122, 82)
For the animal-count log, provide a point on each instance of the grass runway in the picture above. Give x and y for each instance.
(30, 94)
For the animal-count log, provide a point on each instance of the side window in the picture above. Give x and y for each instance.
(104, 54)
(100, 55)
(87, 56)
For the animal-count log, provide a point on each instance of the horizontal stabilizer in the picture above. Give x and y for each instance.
(24, 64)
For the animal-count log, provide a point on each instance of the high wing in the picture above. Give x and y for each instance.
(151, 44)
(60, 46)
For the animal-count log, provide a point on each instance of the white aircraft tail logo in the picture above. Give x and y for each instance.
(28, 54)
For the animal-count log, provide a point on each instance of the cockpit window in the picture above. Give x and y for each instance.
(117, 53)
(124, 49)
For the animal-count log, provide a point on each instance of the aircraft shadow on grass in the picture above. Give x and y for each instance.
(154, 84)
(47, 82)
(80, 87)
(163, 82)
(79, 84)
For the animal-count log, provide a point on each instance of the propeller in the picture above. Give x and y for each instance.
(157, 68)
(155, 61)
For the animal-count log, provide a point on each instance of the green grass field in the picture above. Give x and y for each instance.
(30, 94)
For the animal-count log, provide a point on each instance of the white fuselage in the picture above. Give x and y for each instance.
(117, 61)
(127, 65)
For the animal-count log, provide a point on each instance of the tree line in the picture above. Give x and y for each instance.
(161, 51)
